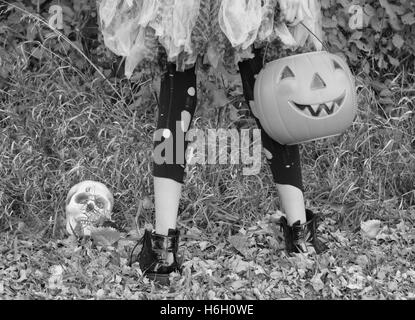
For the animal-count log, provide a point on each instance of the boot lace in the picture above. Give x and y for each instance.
(302, 237)
(139, 242)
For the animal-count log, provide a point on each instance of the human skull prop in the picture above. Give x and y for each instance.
(88, 204)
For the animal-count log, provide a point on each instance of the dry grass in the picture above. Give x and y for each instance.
(59, 127)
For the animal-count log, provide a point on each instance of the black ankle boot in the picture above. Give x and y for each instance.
(300, 237)
(154, 254)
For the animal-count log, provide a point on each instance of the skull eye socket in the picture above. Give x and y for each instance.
(337, 65)
(100, 202)
(287, 73)
(81, 198)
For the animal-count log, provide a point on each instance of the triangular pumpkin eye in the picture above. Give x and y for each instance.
(337, 65)
(287, 73)
(318, 82)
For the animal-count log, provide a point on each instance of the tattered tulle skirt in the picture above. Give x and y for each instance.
(221, 31)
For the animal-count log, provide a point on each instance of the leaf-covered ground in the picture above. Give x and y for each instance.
(60, 126)
(251, 264)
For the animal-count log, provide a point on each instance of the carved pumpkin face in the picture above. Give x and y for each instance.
(305, 97)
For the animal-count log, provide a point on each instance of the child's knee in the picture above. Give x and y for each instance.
(178, 102)
(178, 99)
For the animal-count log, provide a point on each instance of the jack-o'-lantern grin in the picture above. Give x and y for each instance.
(320, 109)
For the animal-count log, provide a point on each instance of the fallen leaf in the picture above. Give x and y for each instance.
(408, 18)
(55, 281)
(393, 286)
(276, 275)
(356, 279)
(317, 283)
(340, 236)
(401, 227)
(370, 228)
(211, 295)
(301, 261)
(100, 293)
(203, 245)
(238, 284)
(362, 261)
(242, 266)
(393, 19)
(355, 284)
(56, 270)
(258, 294)
(194, 233)
(105, 236)
(23, 276)
(240, 243)
(259, 270)
(398, 41)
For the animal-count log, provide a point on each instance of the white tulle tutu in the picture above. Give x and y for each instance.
(220, 30)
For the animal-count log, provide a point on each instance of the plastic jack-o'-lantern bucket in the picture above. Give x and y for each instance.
(305, 97)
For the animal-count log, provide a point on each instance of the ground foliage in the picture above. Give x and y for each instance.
(384, 43)
(386, 40)
(250, 264)
(64, 118)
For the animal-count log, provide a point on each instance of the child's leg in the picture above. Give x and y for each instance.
(158, 256)
(167, 195)
(177, 106)
(300, 227)
(284, 160)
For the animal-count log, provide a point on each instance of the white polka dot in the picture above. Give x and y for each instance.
(268, 154)
(191, 91)
(166, 133)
